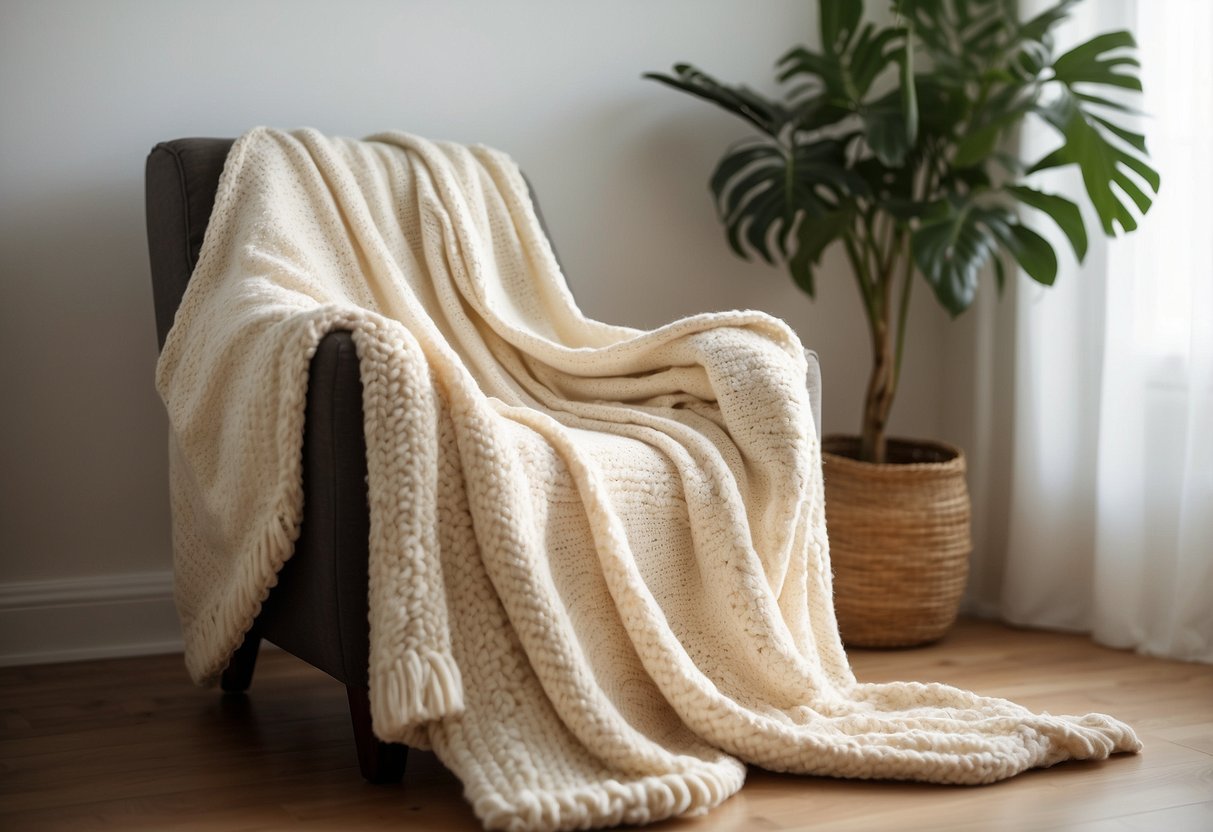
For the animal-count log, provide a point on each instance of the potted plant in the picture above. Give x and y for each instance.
(889, 142)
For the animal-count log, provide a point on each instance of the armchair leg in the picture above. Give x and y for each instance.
(380, 762)
(239, 673)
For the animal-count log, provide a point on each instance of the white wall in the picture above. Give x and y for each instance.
(86, 88)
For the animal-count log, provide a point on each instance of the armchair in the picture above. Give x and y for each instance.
(318, 609)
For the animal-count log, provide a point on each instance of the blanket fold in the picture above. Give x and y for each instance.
(599, 571)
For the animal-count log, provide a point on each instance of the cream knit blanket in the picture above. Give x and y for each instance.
(599, 577)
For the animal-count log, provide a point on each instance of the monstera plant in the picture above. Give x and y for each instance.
(890, 141)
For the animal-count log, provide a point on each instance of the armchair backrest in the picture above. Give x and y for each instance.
(182, 178)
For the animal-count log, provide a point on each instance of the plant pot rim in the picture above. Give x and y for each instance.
(910, 456)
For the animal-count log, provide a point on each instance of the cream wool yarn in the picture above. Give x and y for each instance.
(599, 576)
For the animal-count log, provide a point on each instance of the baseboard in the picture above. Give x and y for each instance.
(71, 619)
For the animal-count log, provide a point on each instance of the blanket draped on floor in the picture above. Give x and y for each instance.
(599, 574)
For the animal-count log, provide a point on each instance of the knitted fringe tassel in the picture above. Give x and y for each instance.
(416, 687)
(218, 630)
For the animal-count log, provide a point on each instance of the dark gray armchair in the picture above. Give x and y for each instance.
(318, 610)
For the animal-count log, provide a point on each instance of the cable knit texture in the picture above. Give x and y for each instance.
(599, 574)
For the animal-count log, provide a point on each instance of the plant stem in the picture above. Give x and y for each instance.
(907, 282)
(883, 381)
(871, 257)
(859, 268)
(887, 355)
(892, 244)
(886, 358)
(879, 395)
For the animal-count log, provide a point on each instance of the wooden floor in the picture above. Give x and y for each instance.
(129, 744)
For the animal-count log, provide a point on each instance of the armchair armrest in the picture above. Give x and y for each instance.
(813, 383)
(318, 610)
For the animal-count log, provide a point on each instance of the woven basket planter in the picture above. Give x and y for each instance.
(899, 540)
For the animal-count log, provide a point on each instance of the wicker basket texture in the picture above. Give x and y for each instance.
(899, 540)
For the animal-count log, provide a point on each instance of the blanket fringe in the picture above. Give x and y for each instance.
(229, 617)
(416, 687)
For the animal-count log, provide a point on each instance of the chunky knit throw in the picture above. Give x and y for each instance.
(599, 575)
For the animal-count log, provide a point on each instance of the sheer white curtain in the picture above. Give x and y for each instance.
(1111, 516)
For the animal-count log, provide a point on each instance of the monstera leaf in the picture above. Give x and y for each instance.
(846, 75)
(962, 38)
(761, 188)
(1061, 210)
(952, 249)
(768, 116)
(1105, 153)
(950, 252)
(886, 129)
(814, 235)
(838, 79)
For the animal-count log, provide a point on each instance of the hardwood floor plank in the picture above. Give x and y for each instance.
(130, 744)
